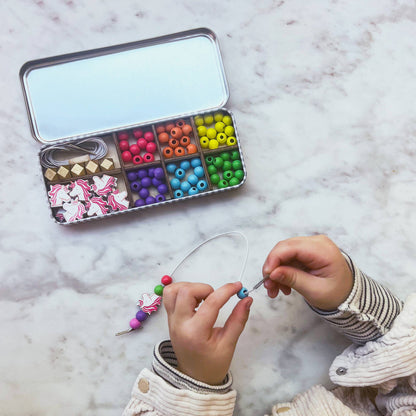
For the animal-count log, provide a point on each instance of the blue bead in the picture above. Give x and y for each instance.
(178, 193)
(193, 190)
(199, 171)
(171, 167)
(243, 293)
(185, 186)
(193, 179)
(175, 183)
(201, 185)
(196, 162)
(185, 165)
(180, 173)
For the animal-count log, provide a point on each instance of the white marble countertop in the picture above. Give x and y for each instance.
(323, 94)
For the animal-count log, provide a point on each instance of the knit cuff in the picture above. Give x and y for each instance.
(165, 365)
(367, 313)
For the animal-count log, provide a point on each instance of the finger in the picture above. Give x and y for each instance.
(290, 277)
(237, 320)
(273, 288)
(208, 311)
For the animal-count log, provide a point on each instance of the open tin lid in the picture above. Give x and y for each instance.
(113, 88)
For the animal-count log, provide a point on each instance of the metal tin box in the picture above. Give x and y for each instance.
(133, 126)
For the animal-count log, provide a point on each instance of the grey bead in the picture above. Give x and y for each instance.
(341, 371)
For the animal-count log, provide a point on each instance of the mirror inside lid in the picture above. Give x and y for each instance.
(120, 86)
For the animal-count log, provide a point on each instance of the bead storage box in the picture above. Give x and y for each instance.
(133, 126)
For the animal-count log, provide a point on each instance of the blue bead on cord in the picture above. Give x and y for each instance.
(242, 293)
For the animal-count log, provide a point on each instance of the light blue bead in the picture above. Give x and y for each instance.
(175, 183)
(243, 293)
(196, 162)
(193, 179)
(193, 190)
(185, 186)
(201, 185)
(180, 173)
(171, 167)
(199, 171)
(178, 193)
(185, 165)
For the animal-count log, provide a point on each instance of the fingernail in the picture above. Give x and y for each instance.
(249, 303)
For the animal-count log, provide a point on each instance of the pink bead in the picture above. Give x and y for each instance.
(137, 133)
(142, 143)
(166, 280)
(149, 136)
(127, 156)
(137, 160)
(148, 157)
(135, 323)
(151, 147)
(123, 136)
(134, 149)
(124, 145)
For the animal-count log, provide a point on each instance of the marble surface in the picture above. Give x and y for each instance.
(323, 94)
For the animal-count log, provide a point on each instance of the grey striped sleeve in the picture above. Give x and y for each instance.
(165, 365)
(367, 313)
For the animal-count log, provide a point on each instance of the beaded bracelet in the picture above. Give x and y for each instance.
(149, 303)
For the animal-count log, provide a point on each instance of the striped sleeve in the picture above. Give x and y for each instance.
(367, 313)
(165, 365)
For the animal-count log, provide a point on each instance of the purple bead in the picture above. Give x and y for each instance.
(156, 182)
(146, 182)
(162, 189)
(139, 203)
(141, 173)
(135, 323)
(132, 176)
(150, 200)
(135, 186)
(144, 193)
(160, 198)
(151, 172)
(159, 174)
(141, 316)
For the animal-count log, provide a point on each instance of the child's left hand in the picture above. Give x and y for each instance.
(204, 352)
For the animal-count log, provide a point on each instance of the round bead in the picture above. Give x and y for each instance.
(185, 186)
(199, 171)
(231, 141)
(151, 147)
(135, 323)
(209, 160)
(167, 152)
(179, 151)
(208, 119)
(169, 127)
(162, 188)
(160, 198)
(144, 193)
(178, 193)
(193, 190)
(211, 133)
(124, 145)
(219, 126)
(127, 156)
(227, 120)
(166, 280)
(228, 174)
(215, 178)
(204, 141)
(151, 173)
(235, 155)
(141, 316)
(234, 181)
(150, 200)
(225, 156)
(239, 174)
(158, 290)
(175, 183)
(242, 293)
(137, 160)
(237, 164)
(139, 203)
(148, 157)
(156, 182)
(187, 129)
(180, 123)
(213, 144)
(202, 185)
(229, 131)
(163, 137)
(221, 138)
(212, 169)
(180, 173)
(123, 136)
(202, 131)
(135, 186)
(173, 143)
(196, 162)
(137, 133)
(218, 162)
(141, 173)
(199, 121)
(218, 116)
(185, 165)
(227, 165)
(132, 176)
(222, 184)
(149, 136)
(184, 141)
(142, 143)
(176, 133)
(135, 149)
(193, 179)
(160, 129)
(159, 174)
(171, 167)
(191, 148)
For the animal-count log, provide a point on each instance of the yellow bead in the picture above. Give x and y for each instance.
(231, 141)
(219, 126)
(204, 142)
(218, 116)
(202, 131)
(208, 119)
(199, 121)
(211, 133)
(227, 120)
(222, 138)
(229, 131)
(213, 144)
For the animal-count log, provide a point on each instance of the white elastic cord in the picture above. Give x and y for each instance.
(213, 238)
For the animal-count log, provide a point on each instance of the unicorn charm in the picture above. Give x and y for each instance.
(96, 206)
(149, 303)
(58, 195)
(74, 210)
(103, 185)
(117, 200)
(80, 190)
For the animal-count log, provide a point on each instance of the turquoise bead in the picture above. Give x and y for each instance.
(193, 179)
(180, 173)
(185, 165)
(199, 171)
(202, 185)
(171, 167)
(243, 293)
(178, 193)
(185, 186)
(196, 162)
(193, 190)
(175, 183)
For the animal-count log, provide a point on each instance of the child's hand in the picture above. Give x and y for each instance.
(204, 352)
(313, 266)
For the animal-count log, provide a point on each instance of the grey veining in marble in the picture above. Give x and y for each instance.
(323, 94)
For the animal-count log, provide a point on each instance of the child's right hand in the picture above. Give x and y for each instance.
(313, 266)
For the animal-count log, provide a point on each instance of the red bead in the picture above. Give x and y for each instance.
(149, 136)
(151, 147)
(134, 149)
(124, 145)
(137, 160)
(142, 143)
(148, 157)
(127, 156)
(123, 136)
(166, 280)
(137, 133)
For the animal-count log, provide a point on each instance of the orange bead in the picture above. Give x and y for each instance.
(173, 143)
(163, 137)
(167, 152)
(179, 151)
(180, 123)
(185, 140)
(187, 129)
(169, 127)
(160, 129)
(176, 133)
(191, 148)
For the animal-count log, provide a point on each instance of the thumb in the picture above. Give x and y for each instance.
(236, 322)
(294, 278)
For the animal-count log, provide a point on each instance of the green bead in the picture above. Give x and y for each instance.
(225, 156)
(218, 162)
(227, 165)
(212, 169)
(222, 184)
(228, 174)
(158, 290)
(235, 155)
(239, 174)
(234, 181)
(227, 120)
(237, 164)
(215, 178)
(209, 160)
